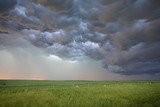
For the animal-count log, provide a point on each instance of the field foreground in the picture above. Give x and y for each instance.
(47, 93)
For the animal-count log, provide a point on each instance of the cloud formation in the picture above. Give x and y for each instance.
(6, 5)
(122, 34)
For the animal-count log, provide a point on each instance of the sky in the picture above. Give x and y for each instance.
(80, 39)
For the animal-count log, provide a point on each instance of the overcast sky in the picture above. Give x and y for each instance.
(80, 39)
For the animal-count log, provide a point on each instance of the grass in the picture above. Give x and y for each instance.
(23, 93)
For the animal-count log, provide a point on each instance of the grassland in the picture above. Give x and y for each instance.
(23, 93)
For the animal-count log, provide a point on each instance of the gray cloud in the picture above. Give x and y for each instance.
(6, 5)
(123, 34)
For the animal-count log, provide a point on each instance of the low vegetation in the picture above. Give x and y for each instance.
(31, 93)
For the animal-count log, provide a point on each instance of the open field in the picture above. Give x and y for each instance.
(47, 93)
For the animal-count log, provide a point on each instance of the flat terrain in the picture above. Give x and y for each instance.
(47, 93)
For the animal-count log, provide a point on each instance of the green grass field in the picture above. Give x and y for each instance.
(46, 93)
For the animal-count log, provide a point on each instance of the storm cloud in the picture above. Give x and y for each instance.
(6, 5)
(123, 35)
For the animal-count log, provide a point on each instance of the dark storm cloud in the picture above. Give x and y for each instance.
(129, 10)
(123, 34)
(6, 5)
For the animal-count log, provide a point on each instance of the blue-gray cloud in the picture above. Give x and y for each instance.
(123, 34)
(6, 5)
